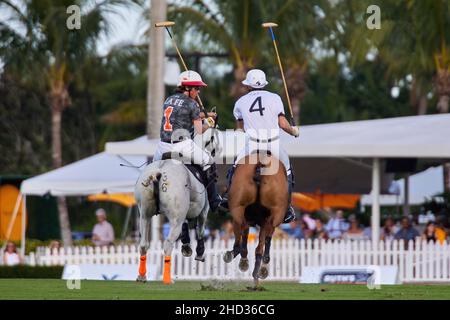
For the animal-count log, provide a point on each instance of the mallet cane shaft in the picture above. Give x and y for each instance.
(166, 25)
(269, 25)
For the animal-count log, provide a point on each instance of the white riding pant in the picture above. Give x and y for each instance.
(188, 148)
(273, 146)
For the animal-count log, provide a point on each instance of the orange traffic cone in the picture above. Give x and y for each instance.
(143, 266)
(167, 267)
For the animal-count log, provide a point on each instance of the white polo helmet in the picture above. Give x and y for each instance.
(256, 79)
(190, 78)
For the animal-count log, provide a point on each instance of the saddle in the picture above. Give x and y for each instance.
(195, 169)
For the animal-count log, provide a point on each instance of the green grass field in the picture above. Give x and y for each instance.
(199, 290)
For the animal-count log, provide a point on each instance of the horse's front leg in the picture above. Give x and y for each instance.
(258, 254)
(238, 224)
(269, 228)
(186, 240)
(243, 263)
(200, 233)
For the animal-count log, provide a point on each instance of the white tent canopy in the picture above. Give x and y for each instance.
(404, 137)
(423, 186)
(96, 174)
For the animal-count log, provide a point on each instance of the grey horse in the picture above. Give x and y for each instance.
(169, 188)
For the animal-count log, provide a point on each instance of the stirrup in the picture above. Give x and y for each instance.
(290, 215)
(223, 206)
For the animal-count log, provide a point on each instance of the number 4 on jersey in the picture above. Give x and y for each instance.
(260, 107)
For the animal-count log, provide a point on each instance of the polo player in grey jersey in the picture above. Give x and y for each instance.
(181, 120)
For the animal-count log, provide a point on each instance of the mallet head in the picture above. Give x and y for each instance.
(269, 25)
(164, 24)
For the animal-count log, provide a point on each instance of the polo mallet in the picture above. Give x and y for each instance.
(271, 25)
(166, 25)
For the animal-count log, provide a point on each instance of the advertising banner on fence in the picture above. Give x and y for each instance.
(368, 275)
(106, 272)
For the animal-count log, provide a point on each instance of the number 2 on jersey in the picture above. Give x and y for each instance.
(260, 107)
(167, 114)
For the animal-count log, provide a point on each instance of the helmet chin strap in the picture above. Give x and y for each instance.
(202, 109)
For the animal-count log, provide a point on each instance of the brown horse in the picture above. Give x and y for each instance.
(254, 202)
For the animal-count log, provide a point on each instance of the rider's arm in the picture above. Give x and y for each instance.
(240, 125)
(284, 124)
(199, 127)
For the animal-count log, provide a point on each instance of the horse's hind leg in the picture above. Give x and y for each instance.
(264, 271)
(200, 232)
(243, 263)
(144, 226)
(269, 229)
(261, 271)
(186, 240)
(175, 230)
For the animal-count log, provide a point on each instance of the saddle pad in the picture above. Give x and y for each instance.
(197, 171)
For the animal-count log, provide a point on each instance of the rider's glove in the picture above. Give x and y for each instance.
(295, 132)
(210, 122)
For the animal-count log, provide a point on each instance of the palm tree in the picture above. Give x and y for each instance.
(37, 45)
(156, 53)
(234, 26)
(414, 40)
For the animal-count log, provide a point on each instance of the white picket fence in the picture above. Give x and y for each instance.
(420, 262)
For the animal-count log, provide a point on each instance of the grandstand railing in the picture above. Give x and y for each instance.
(417, 261)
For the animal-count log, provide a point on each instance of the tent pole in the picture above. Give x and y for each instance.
(22, 242)
(406, 197)
(375, 202)
(13, 220)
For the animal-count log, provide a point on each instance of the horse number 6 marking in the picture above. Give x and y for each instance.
(167, 114)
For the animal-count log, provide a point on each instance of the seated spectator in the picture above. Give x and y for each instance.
(429, 234)
(54, 247)
(355, 232)
(10, 255)
(319, 232)
(227, 232)
(310, 222)
(336, 226)
(441, 234)
(407, 231)
(293, 229)
(389, 230)
(367, 232)
(306, 232)
(279, 233)
(103, 232)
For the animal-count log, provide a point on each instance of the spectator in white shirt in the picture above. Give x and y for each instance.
(355, 232)
(10, 256)
(336, 226)
(103, 232)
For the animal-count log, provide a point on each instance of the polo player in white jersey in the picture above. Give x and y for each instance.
(260, 114)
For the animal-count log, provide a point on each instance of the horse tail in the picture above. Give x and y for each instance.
(156, 190)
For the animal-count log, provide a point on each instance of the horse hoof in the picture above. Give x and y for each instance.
(200, 258)
(228, 256)
(263, 272)
(243, 264)
(142, 279)
(186, 250)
